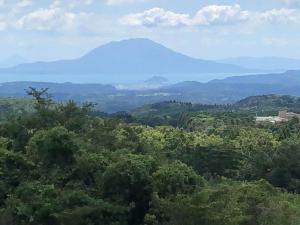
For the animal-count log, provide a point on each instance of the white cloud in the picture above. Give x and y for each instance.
(121, 2)
(220, 14)
(51, 19)
(209, 15)
(156, 17)
(281, 16)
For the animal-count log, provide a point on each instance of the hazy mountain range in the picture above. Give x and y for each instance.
(112, 99)
(288, 78)
(134, 56)
(264, 63)
(134, 60)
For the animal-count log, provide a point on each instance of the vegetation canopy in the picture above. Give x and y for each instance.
(170, 163)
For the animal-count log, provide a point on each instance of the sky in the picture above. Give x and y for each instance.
(208, 29)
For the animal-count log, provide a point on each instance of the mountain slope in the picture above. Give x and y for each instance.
(289, 78)
(272, 100)
(264, 63)
(134, 56)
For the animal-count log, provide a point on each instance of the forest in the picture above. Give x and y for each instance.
(169, 163)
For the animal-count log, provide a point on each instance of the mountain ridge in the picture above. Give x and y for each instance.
(139, 56)
(288, 78)
(267, 63)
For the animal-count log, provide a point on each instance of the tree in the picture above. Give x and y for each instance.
(54, 146)
(128, 182)
(257, 147)
(215, 161)
(175, 178)
(224, 202)
(285, 170)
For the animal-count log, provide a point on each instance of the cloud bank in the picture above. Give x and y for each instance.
(210, 15)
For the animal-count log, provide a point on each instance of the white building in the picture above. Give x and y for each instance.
(283, 116)
(271, 119)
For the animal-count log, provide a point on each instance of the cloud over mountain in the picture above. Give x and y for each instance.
(211, 15)
(208, 15)
(58, 16)
(156, 17)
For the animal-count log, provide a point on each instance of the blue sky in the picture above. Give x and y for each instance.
(56, 29)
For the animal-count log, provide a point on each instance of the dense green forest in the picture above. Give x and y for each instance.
(169, 163)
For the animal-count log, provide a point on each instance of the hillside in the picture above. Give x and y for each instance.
(134, 56)
(288, 78)
(60, 165)
(196, 116)
(17, 88)
(264, 63)
(112, 99)
(270, 101)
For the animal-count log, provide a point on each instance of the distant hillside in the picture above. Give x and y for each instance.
(134, 56)
(18, 88)
(274, 101)
(14, 106)
(264, 63)
(183, 114)
(228, 91)
(156, 80)
(223, 93)
(289, 78)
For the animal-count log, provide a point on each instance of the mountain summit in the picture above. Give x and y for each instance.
(133, 56)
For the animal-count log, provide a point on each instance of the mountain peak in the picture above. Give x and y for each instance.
(131, 56)
(139, 46)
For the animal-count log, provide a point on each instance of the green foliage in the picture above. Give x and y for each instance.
(175, 178)
(60, 164)
(230, 203)
(128, 182)
(285, 170)
(54, 146)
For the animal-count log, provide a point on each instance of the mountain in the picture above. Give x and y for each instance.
(274, 101)
(12, 61)
(133, 56)
(288, 78)
(227, 91)
(57, 89)
(264, 63)
(156, 80)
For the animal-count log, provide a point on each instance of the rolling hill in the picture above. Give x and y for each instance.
(288, 78)
(111, 99)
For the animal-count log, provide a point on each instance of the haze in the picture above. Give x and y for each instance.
(55, 29)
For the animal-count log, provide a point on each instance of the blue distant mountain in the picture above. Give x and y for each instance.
(112, 99)
(264, 63)
(287, 79)
(134, 56)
